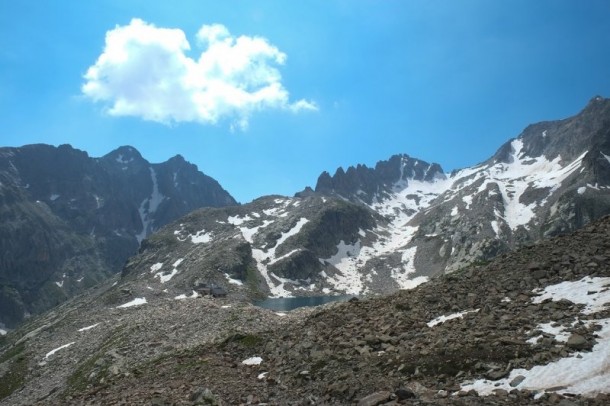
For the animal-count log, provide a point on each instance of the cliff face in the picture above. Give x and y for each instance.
(69, 220)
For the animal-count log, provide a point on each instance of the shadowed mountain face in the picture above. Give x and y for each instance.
(375, 230)
(69, 220)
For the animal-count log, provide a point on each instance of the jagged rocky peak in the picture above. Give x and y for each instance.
(366, 183)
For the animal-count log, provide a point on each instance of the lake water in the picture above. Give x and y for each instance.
(284, 304)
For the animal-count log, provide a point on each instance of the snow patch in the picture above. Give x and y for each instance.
(57, 349)
(401, 275)
(442, 319)
(495, 227)
(345, 261)
(122, 160)
(581, 190)
(468, 201)
(53, 197)
(248, 233)
(237, 221)
(138, 301)
(156, 267)
(233, 281)
(252, 361)
(165, 276)
(560, 333)
(149, 206)
(201, 237)
(89, 327)
(184, 296)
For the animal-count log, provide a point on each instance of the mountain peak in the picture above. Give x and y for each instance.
(364, 183)
(125, 154)
(70, 221)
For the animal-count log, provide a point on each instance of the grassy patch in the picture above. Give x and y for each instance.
(243, 340)
(18, 349)
(253, 282)
(14, 378)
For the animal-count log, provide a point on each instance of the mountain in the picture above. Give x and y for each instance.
(553, 178)
(530, 327)
(70, 221)
(369, 231)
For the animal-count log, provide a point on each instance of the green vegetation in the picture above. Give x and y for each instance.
(14, 378)
(79, 380)
(253, 282)
(16, 350)
(243, 340)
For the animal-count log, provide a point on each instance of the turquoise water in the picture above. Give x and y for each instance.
(285, 304)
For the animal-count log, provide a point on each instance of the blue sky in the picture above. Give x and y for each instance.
(265, 95)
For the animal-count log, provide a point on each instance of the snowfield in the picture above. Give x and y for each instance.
(586, 373)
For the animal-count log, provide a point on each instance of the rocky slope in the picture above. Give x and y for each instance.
(375, 230)
(530, 327)
(69, 220)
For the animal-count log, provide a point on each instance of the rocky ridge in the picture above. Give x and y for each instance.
(478, 331)
(69, 220)
(367, 231)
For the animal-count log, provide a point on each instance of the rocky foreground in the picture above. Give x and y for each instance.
(531, 327)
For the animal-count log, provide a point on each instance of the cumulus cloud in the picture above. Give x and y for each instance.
(144, 71)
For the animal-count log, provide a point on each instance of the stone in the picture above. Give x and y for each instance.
(204, 396)
(375, 399)
(404, 393)
(516, 381)
(577, 342)
(442, 394)
(502, 393)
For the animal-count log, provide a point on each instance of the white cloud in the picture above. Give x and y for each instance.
(144, 71)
